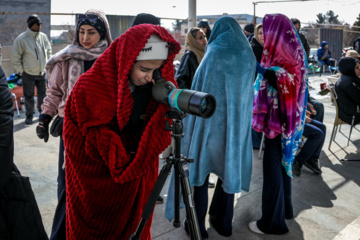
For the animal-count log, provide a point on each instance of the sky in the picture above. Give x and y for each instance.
(306, 11)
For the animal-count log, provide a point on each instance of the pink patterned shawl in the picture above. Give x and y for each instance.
(282, 112)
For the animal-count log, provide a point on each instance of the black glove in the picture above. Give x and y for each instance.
(42, 129)
(271, 77)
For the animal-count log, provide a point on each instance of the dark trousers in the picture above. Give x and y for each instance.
(58, 230)
(276, 194)
(329, 62)
(315, 134)
(319, 107)
(29, 83)
(221, 208)
(256, 138)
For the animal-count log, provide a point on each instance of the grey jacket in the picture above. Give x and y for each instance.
(30, 52)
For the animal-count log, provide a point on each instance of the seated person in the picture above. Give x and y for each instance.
(316, 108)
(309, 154)
(356, 45)
(353, 54)
(347, 90)
(324, 55)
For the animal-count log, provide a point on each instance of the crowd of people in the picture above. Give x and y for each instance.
(111, 134)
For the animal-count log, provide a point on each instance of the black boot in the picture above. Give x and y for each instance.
(297, 168)
(312, 164)
(29, 119)
(160, 200)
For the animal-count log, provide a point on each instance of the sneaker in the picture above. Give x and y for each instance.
(29, 119)
(160, 200)
(296, 169)
(253, 227)
(312, 164)
(211, 183)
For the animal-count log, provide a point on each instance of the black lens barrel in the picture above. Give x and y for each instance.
(189, 101)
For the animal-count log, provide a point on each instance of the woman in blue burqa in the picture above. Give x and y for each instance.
(221, 144)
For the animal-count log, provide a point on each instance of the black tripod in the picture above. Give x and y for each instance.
(181, 173)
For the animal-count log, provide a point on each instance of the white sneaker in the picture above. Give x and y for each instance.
(211, 183)
(253, 227)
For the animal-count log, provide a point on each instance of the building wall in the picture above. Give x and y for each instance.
(14, 15)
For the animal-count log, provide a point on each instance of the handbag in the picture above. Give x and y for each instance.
(57, 126)
(19, 213)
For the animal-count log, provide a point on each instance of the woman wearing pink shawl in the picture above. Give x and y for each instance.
(279, 112)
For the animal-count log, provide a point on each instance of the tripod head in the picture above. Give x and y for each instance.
(177, 116)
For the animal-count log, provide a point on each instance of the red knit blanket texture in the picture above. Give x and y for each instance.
(107, 189)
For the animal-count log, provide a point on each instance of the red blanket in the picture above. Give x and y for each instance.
(106, 189)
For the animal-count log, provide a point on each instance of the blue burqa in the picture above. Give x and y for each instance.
(222, 144)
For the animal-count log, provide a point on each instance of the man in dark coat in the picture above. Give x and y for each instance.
(6, 130)
(303, 39)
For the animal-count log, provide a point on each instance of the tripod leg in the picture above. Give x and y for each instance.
(150, 204)
(177, 198)
(191, 216)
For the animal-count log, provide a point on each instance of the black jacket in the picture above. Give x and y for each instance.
(347, 90)
(186, 71)
(257, 49)
(305, 43)
(6, 130)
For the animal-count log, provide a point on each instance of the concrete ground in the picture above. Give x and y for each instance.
(326, 206)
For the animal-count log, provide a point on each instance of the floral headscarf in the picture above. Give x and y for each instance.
(283, 111)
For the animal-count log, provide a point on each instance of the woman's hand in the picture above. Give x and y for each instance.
(312, 109)
(307, 118)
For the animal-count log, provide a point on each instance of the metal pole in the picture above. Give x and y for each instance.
(192, 14)
(254, 13)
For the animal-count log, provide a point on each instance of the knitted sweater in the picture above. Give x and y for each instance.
(107, 187)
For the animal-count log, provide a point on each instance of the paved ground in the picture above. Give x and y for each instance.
(326, 206)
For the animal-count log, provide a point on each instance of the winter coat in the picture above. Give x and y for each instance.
(321, 51)
(347, 91)
(186, 71)
(65, 67)
(6, 130)
(30, 51)
(257, 49)
(19, 213)
(108, 185)
(305, 43)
